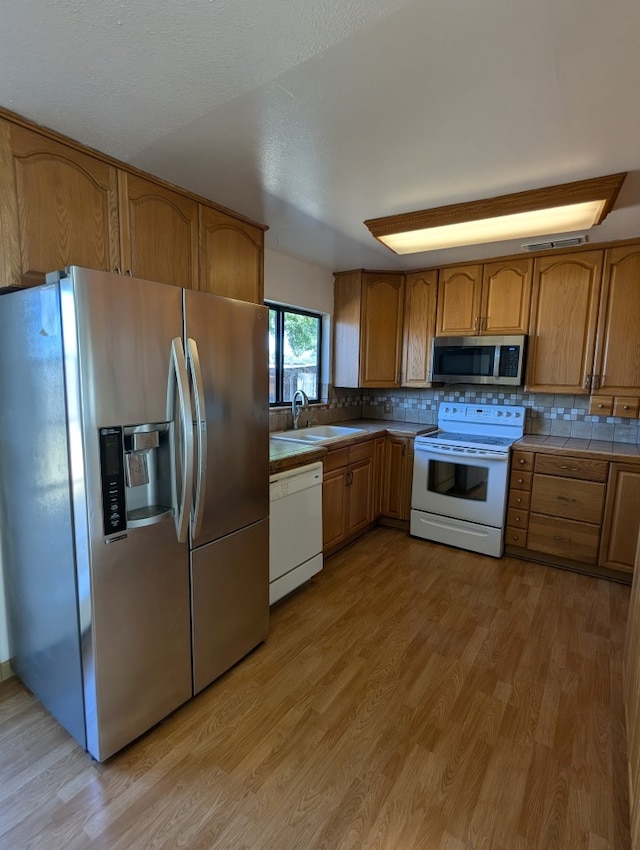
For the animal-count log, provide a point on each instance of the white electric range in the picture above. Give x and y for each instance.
(461, 476)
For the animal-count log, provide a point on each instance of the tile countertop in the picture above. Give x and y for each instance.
(595, 449)
(284, 455)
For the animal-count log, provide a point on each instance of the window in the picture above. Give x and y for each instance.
(295, 345)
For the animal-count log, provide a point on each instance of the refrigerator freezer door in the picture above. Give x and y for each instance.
(232, 342)
(230, 599)
(134, 589)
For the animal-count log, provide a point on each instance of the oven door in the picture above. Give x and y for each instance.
(470, 487)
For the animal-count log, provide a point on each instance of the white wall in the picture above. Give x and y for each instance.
(295, 282)
(4, 637)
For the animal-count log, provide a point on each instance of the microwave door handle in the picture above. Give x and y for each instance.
(178, 380)
(200, 427)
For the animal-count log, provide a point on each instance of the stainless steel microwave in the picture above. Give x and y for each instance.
(478, 359)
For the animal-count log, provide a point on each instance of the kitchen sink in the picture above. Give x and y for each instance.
(318, 434)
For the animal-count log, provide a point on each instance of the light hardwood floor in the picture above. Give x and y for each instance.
(411, 696)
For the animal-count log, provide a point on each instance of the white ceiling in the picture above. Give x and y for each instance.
(314, 115)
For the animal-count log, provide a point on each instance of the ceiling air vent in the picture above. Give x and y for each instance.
(569, 242)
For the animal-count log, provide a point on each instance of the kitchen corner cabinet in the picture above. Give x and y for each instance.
(231, 256)
(58, 207)
(347, 494)
(491, 299)
(564, 312)
(398, 475)
(621, 526)
(420, 298)
(158, 232)
(368, 309)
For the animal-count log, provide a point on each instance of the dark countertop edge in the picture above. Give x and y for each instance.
(595, 449)
(284, 456)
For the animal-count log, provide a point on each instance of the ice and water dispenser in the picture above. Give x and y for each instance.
(137, 483)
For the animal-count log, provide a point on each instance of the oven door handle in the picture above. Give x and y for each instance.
(498, 457)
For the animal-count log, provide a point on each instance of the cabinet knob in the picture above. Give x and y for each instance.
(625, 407)
(601, 405)
(522, 461)
(517, 519)
(518, 499)
(520, 480)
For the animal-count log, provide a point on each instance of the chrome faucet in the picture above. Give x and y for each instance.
(302, 400)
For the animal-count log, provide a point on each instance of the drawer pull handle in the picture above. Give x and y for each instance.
(625, 407)
(565, 499)
(572, 468)
(518, 500)
(601, 405)
(522, 461)
(517, 519)
(562, 539)
(520, 480)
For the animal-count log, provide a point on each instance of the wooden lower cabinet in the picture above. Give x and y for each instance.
(574, 511)
(621, 525)
(379, 445)
(398, 473)
(347, 494)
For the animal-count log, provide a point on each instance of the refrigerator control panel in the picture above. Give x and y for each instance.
(114, 510)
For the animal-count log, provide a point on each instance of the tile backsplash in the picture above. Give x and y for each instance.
(556, 415)
(553, 414)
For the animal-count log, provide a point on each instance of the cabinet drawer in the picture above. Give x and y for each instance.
(519, 499)
(577, 541)
(522, 460)
(567, 497)
(517, 519)
(572, 467)
(335, 459)
(601, 405)
(515, 537)
(520, 480)
(361, 451)
(627, 407)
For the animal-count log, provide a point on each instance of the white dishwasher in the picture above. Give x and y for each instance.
(295, 528)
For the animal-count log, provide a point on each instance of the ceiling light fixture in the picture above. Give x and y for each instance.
(537, 212)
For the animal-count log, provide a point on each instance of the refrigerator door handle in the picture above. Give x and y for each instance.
(201, 432)
(178, 378)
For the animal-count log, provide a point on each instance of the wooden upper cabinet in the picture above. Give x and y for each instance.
(506, 297)
(564, 307)
(420, 297)
(459, 290)
(617, 362)
(231, 256)
(381, 329)
(158, 231)
(58, 206)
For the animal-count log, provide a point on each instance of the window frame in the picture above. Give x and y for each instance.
(280, 310)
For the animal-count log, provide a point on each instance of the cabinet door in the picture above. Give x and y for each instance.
(420, 297)
(59, 207)
(360, 492)
(231, 256)
(562, 329)
(159, 232)
(334, 507)
(617, 362)
(397, 478)
(381, 330)
(506, 297)
(621, 518)
(459, 301)
(378, 475)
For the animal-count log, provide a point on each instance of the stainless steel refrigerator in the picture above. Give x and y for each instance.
(134, 495)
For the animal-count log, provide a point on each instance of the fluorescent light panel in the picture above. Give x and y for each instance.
(537, 212)
(516, 226)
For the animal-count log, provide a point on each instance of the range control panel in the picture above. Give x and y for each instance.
(112, 468)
